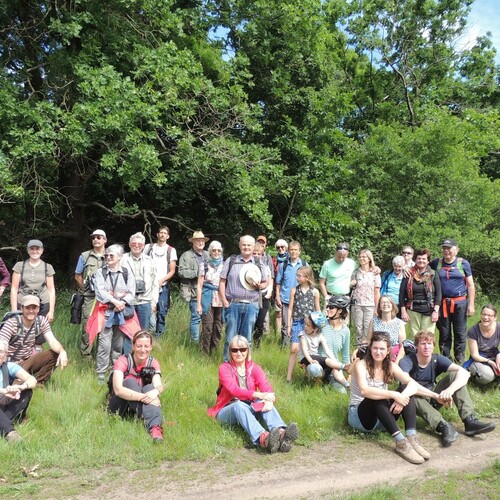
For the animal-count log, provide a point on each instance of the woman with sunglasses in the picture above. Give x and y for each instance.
(208, 301)
(137, 385)
(246, 397)
(373, 407)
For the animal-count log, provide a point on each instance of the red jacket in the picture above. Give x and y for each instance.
(230, 389)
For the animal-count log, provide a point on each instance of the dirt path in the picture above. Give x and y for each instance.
(335, 468)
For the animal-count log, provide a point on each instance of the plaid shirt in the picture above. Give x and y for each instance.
(234, 289)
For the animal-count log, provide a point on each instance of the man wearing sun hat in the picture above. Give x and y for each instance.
(88, 263)
(189, 265)
(240, 283)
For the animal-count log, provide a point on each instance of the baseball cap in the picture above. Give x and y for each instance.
(99, 232)
(30, 300)
(34, 243)
(262, 238)
(449, 242)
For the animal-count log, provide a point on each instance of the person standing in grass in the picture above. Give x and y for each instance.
(137, 385)
(14, 397)
(373, 407)
(246, 398)
(304, 299)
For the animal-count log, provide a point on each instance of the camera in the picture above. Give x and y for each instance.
(147, 374)
(140, 287)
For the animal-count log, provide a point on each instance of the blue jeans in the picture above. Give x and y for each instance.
(244, 415)
(143, 315)
(194, 324)
(162, 309)
(240, 320)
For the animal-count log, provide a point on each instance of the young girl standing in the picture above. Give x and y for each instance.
(304, 299)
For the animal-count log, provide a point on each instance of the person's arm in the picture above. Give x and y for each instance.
(402, 300)
(413, 388)
(370, 332)
(333, 359)
(461, 378)
(79, 280)
(5, 277)
(199, 289)
(376, 292)
(16, 277)
(56, 346)
(52, 298)
(27, 380)
(123, 392)
(471, 295)
(290, 311)
(317, 305)
(171, 271)
(322, 287)
(476, 356)
(222, 292)
(305, 350)
(278, 296)
(401, 338)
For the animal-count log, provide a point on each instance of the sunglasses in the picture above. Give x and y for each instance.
(281, 247)
(109, 256)
(342, 248)
(234, 350)
(96, 237)
(407, 253)
(216, 250)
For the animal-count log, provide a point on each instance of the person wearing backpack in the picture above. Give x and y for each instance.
(16, 389)
(136, 385)
(424, 367)
(458, 294)
(34, 277)
(88, 263)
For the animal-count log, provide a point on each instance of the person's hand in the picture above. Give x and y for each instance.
(405, 317)
(314, 362)
(447, 403)
(446, 395)
(400, 398)
(153, 308)
(50, 316)
(278, 302)
(268, 405)
(12, 392)
(347, 368)
(119, 305)
(470, 310)
(62, 359)
(268, 396)
(396, 408)
(434, 316)
(377, 270)
(199, 309)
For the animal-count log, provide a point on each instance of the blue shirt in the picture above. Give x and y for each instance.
(391, 286)
(452, 279)
(12, 368)
(288, 280)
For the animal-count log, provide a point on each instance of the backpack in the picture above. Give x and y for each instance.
(22, 284)
(39, 339)
(285, 265)
(105, 273)
(232, 260)
(169, 251)
(460, 266)
(130, 367)
(87, 276)
(413, 371)
(5, 373)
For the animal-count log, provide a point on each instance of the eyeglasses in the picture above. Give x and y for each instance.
(109, 256)
(216, 250)
(407, 253)
(234, 350)
(486, 315)
(96, 237)
(281, 247)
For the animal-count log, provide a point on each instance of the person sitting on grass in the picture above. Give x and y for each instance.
(137, 385)
(311, 339)
(424, 366)
(14, 396)
(245, 397)
(374, 407)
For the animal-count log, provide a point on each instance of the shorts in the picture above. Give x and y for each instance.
(297, 327)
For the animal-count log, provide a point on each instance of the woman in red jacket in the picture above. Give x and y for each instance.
(245, 397)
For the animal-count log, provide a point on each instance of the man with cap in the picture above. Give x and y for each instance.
(335, 274)
(262, 324)
(88, 263)
(165, 259)
(281, 255)
(189, 266)
(20, 333)
(241, 281)
(459, 293)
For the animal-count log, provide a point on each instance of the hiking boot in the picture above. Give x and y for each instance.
(156, 433)
(13, 437)
(448, 433)
(270, 440)
(405, 450)
(288, 436)
(473, 426)
(418, 448)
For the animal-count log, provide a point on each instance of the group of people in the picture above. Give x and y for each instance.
(125, 299)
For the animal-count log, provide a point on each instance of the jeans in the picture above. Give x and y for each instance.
(457, 319)
(244, 415)
(261, 317)
(14, 410)
(240, 320)
(194, 324)
(143, 315)
(163, 305)
(151, 414)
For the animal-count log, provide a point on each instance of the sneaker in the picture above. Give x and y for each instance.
(156, 433)
(270, 440)
(473, 426)
(418, 448)
(13, 437)
(448, 433)
(405, 450)
(288, 436)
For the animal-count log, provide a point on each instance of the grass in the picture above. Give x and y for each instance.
(69, 432)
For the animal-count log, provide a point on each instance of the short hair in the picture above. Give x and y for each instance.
(424, 334)
(137, 236)
(398, 261)
(240, 341)
(142, 334)
(117, 249)
(214, 244)
(423, 251)
(490, 306)
(247, 236)
(165, 228)
(295, 243)
(408, 246)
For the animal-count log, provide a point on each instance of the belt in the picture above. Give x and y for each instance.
(244, 301)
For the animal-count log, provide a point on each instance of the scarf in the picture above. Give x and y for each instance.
(427, 278)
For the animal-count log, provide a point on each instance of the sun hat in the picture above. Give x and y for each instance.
(34, 243)
(198, 235)
(30, 300)
(314, 371)
(250, 273)
(99, 232)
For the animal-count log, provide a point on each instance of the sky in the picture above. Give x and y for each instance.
(485, 16)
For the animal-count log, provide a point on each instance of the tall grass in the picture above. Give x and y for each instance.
(68, 429)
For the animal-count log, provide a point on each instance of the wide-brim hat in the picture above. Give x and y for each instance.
(197, 235)
(250, 273)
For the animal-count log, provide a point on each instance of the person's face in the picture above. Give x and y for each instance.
(331, 312)
(308, 326)
(425, 347)
(239, 353)
(111, 258)
(379, 350)
(136, 247)
(198, 244)
(257, 253)
(385, 305)
(142, 348)
(35, 252)
(397, 268)
(30, 312)
(162, 236)
(246, 247)
(3, 354)
(341, 253)
(488, 317)
(281, 249)
(421, 261)
(363, 259)
(301, 278)
(263, 243)
(294, 251)
(98, 241)
(215, 253)
(449, 253)
(407, 254)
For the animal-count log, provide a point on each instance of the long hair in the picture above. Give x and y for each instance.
(308, 274)
(395, 309)
(240, 341)
(386, 363)
(369, 254)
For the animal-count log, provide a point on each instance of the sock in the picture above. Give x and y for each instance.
(398, 436)
(411, 432)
